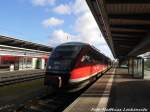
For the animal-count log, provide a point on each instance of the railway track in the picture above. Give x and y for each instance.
(53, 103)
(56, 102)
(7, 80)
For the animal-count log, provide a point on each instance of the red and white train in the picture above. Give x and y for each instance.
(73, 64)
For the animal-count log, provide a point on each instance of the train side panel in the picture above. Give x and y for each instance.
(87, 66)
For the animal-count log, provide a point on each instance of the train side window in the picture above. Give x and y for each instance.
(89, 59)
(85, 58)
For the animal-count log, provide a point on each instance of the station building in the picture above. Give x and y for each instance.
(17, 54)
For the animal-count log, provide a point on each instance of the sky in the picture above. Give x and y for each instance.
(51, 22)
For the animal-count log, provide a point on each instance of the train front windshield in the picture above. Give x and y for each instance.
(62, 57)
(65, 52)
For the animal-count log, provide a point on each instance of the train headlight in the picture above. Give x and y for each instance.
(49, 67)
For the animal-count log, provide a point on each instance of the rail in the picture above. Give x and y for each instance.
(7, 80)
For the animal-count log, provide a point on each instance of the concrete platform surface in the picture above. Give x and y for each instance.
(129, 94)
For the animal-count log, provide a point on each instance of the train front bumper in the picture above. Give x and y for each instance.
(54, 81)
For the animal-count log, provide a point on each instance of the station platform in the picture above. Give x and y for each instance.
(114, 91)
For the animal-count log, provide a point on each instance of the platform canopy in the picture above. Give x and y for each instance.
(9, 41)
(125, 24)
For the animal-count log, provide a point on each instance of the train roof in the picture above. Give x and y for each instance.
(74, 43)
(83, 44)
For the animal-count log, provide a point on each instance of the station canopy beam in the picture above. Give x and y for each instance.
(125, 25)
(9, 41)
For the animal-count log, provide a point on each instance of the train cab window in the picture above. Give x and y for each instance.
(64, 52)
(85, 58)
